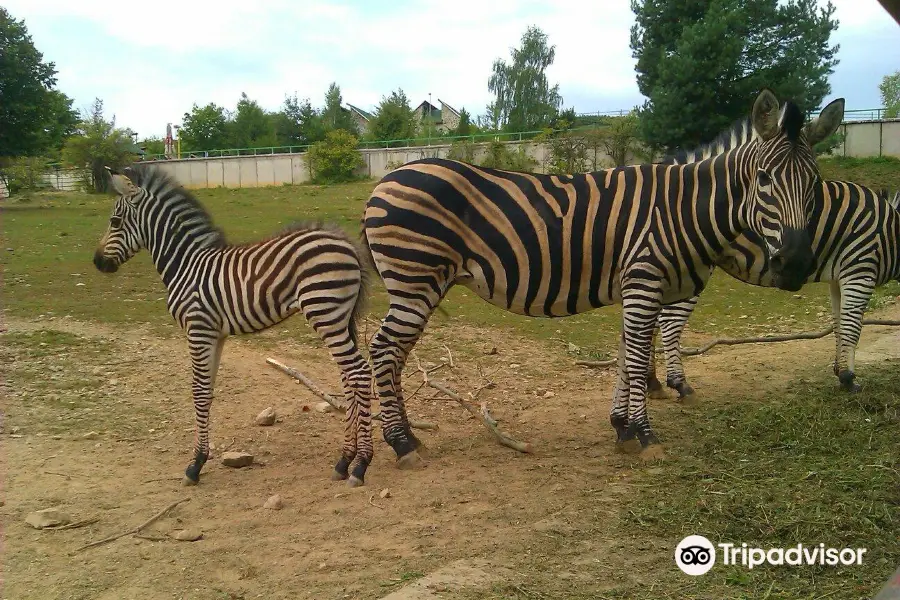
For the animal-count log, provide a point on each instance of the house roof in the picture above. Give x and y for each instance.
(364, 114)
(430, 110)
(445, 106)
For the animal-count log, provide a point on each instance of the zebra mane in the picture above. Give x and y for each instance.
(163, 189)
(740, 132)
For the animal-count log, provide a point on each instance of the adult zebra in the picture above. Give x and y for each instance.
(855, 234)
(550, 246)
(216, 290)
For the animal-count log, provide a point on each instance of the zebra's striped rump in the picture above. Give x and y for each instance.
(556, 245)
(216, 289)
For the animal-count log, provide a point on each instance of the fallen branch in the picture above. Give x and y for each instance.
(489, 422)
(75, 525)
(787, 337)
(334, 402)
(137, 529)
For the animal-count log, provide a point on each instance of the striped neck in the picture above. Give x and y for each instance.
(175, 227)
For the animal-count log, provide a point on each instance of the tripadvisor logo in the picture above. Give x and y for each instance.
(696, 555)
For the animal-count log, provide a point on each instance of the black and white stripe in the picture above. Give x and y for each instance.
(556, 245)
(216, 290)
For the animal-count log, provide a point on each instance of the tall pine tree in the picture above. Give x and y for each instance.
(701, 62)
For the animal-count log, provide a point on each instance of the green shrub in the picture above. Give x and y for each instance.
(499, 156)
(23, 175)
(463, 150)
(335, 159)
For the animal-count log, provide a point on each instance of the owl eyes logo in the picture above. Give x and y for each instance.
(695, 555)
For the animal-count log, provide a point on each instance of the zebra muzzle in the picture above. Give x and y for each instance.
(105, 264)
(794, 262)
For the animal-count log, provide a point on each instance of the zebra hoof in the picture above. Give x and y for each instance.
(410, 461)
(353, 482)
(338, 476)
(653, 453)
(187, 481)
(632, 446)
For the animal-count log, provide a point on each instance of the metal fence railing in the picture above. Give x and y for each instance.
(864, 114)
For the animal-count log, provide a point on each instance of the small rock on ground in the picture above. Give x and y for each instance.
(237, 459)
(48, 517)
(324, 407)
(188, 535)
(266, 417)
(90, 435)
(274, 503)
(549, 394)
(385, 493)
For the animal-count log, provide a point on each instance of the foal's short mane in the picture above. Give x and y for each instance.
(165, 189)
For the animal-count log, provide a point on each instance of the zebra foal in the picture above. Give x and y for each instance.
(557, 245)
(216, 289)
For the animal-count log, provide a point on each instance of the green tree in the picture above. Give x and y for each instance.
(252, 127)
(523, 98)
(700, 63)
(97, 144)
(34, 117)
(298, 123)
(394, 119)
(334, 116)
(205, 128)
(465, 125)
(153, 145)
(890, 95)
(336, 158)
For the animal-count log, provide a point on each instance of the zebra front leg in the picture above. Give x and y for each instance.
(626, 440)
(206, 351)
(639, 318)
(854, 299)
(834, 287)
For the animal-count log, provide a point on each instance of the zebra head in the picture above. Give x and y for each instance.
(783, 177)
(122, 239)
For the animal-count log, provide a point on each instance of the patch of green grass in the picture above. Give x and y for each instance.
(60, 382)
(811, 466)
(876, 172)
(48, 246)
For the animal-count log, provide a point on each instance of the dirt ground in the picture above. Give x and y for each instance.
(477, 515)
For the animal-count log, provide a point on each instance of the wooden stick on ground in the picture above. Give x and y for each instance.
(137, 529)
(334, 402)
(489, 422)
(787, 337)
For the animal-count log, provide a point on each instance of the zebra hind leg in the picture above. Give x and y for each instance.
(655, 387)
(206, 351)
(333, 323)
(389, 350)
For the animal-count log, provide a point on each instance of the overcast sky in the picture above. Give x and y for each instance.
(151, 61)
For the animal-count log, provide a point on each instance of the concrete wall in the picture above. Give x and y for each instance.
(870, 138)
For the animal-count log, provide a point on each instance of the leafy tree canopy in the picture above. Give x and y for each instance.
(702, 62)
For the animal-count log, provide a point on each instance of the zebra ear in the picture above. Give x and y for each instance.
(765, 115)
(826, 123)
(120, 183)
